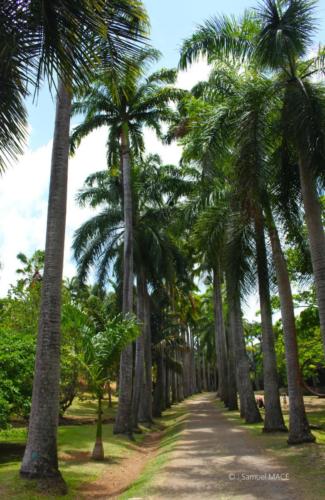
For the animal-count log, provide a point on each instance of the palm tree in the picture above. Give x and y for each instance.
(103, 340)
(283, 42)
(238, 281)
(209, 238)
(40, 39)
(252, 102)
(243, 47)
(299, 431)
(98, 243)
(40, 458)
(125, 106)
(211, 233)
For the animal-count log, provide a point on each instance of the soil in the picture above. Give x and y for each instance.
(120, 476)
(215, 459)
(63, 421)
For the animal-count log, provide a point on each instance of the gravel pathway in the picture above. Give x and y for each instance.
(215, 459)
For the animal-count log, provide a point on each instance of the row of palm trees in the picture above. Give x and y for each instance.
(259, 123)
(64, 43)
(126, 106)
(253, 147)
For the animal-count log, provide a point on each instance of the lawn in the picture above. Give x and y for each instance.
(306, 462)
(75, 445)
(173, 423)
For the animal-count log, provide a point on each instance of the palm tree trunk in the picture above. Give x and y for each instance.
(109, 390)
(145, 412)
(209, 377)
(232, 403)
(160, 391)
(179, 384)
(273, 415)
(98, 451)
(40, 458)
(248, 406)
(186, 358)
(204, 373)
(198, 372)
(174, 388)
(168, 404)
(220, 336)
(298, 424)
(139, 386)
(193, 370)
(123, 421)
(313, 216)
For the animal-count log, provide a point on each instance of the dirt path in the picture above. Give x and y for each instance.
(215, 460)
(120, 476)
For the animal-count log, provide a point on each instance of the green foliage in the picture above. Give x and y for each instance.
(102, 349)
(65, 39)
(17, 355)
(19, 313)
(309, 343)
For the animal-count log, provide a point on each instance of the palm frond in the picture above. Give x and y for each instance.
(287, 30)
(225, 38)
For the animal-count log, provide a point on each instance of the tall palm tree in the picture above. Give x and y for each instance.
(299, 430)
(252, 111)
(282, 44)
(209, 238)
(40, 39)
(239, 47)
(99, 241)
(40, 458)
(238, 281)
(126, 106)
(278, 37)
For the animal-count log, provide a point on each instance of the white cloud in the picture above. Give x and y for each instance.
(23, 203)
(24, 191)
(197, 72)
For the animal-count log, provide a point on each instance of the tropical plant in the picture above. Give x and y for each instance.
(40, 39)
(98, 244)
(101, 351)
(126, 106)
(125, 22)
(283, 43)
(240, 48)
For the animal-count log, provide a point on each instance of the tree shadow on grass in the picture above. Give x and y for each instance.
(11, 452)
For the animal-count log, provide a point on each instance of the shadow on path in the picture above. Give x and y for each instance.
(213, 459)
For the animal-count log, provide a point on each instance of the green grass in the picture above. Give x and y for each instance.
(75, 443)
(173, 423)
(306, 463)
(87, 407)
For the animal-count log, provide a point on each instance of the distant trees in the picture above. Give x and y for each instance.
(126, 105)
(257, 121)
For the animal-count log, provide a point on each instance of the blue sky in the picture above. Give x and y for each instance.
(24, 188)
(171, 22)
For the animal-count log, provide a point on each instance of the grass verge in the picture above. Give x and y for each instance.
(75, 443)
(305, 463)
(173, 423)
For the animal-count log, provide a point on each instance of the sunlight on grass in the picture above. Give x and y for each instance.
(306, 462)
(173, 422)
(87, 407)
(75, 446)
